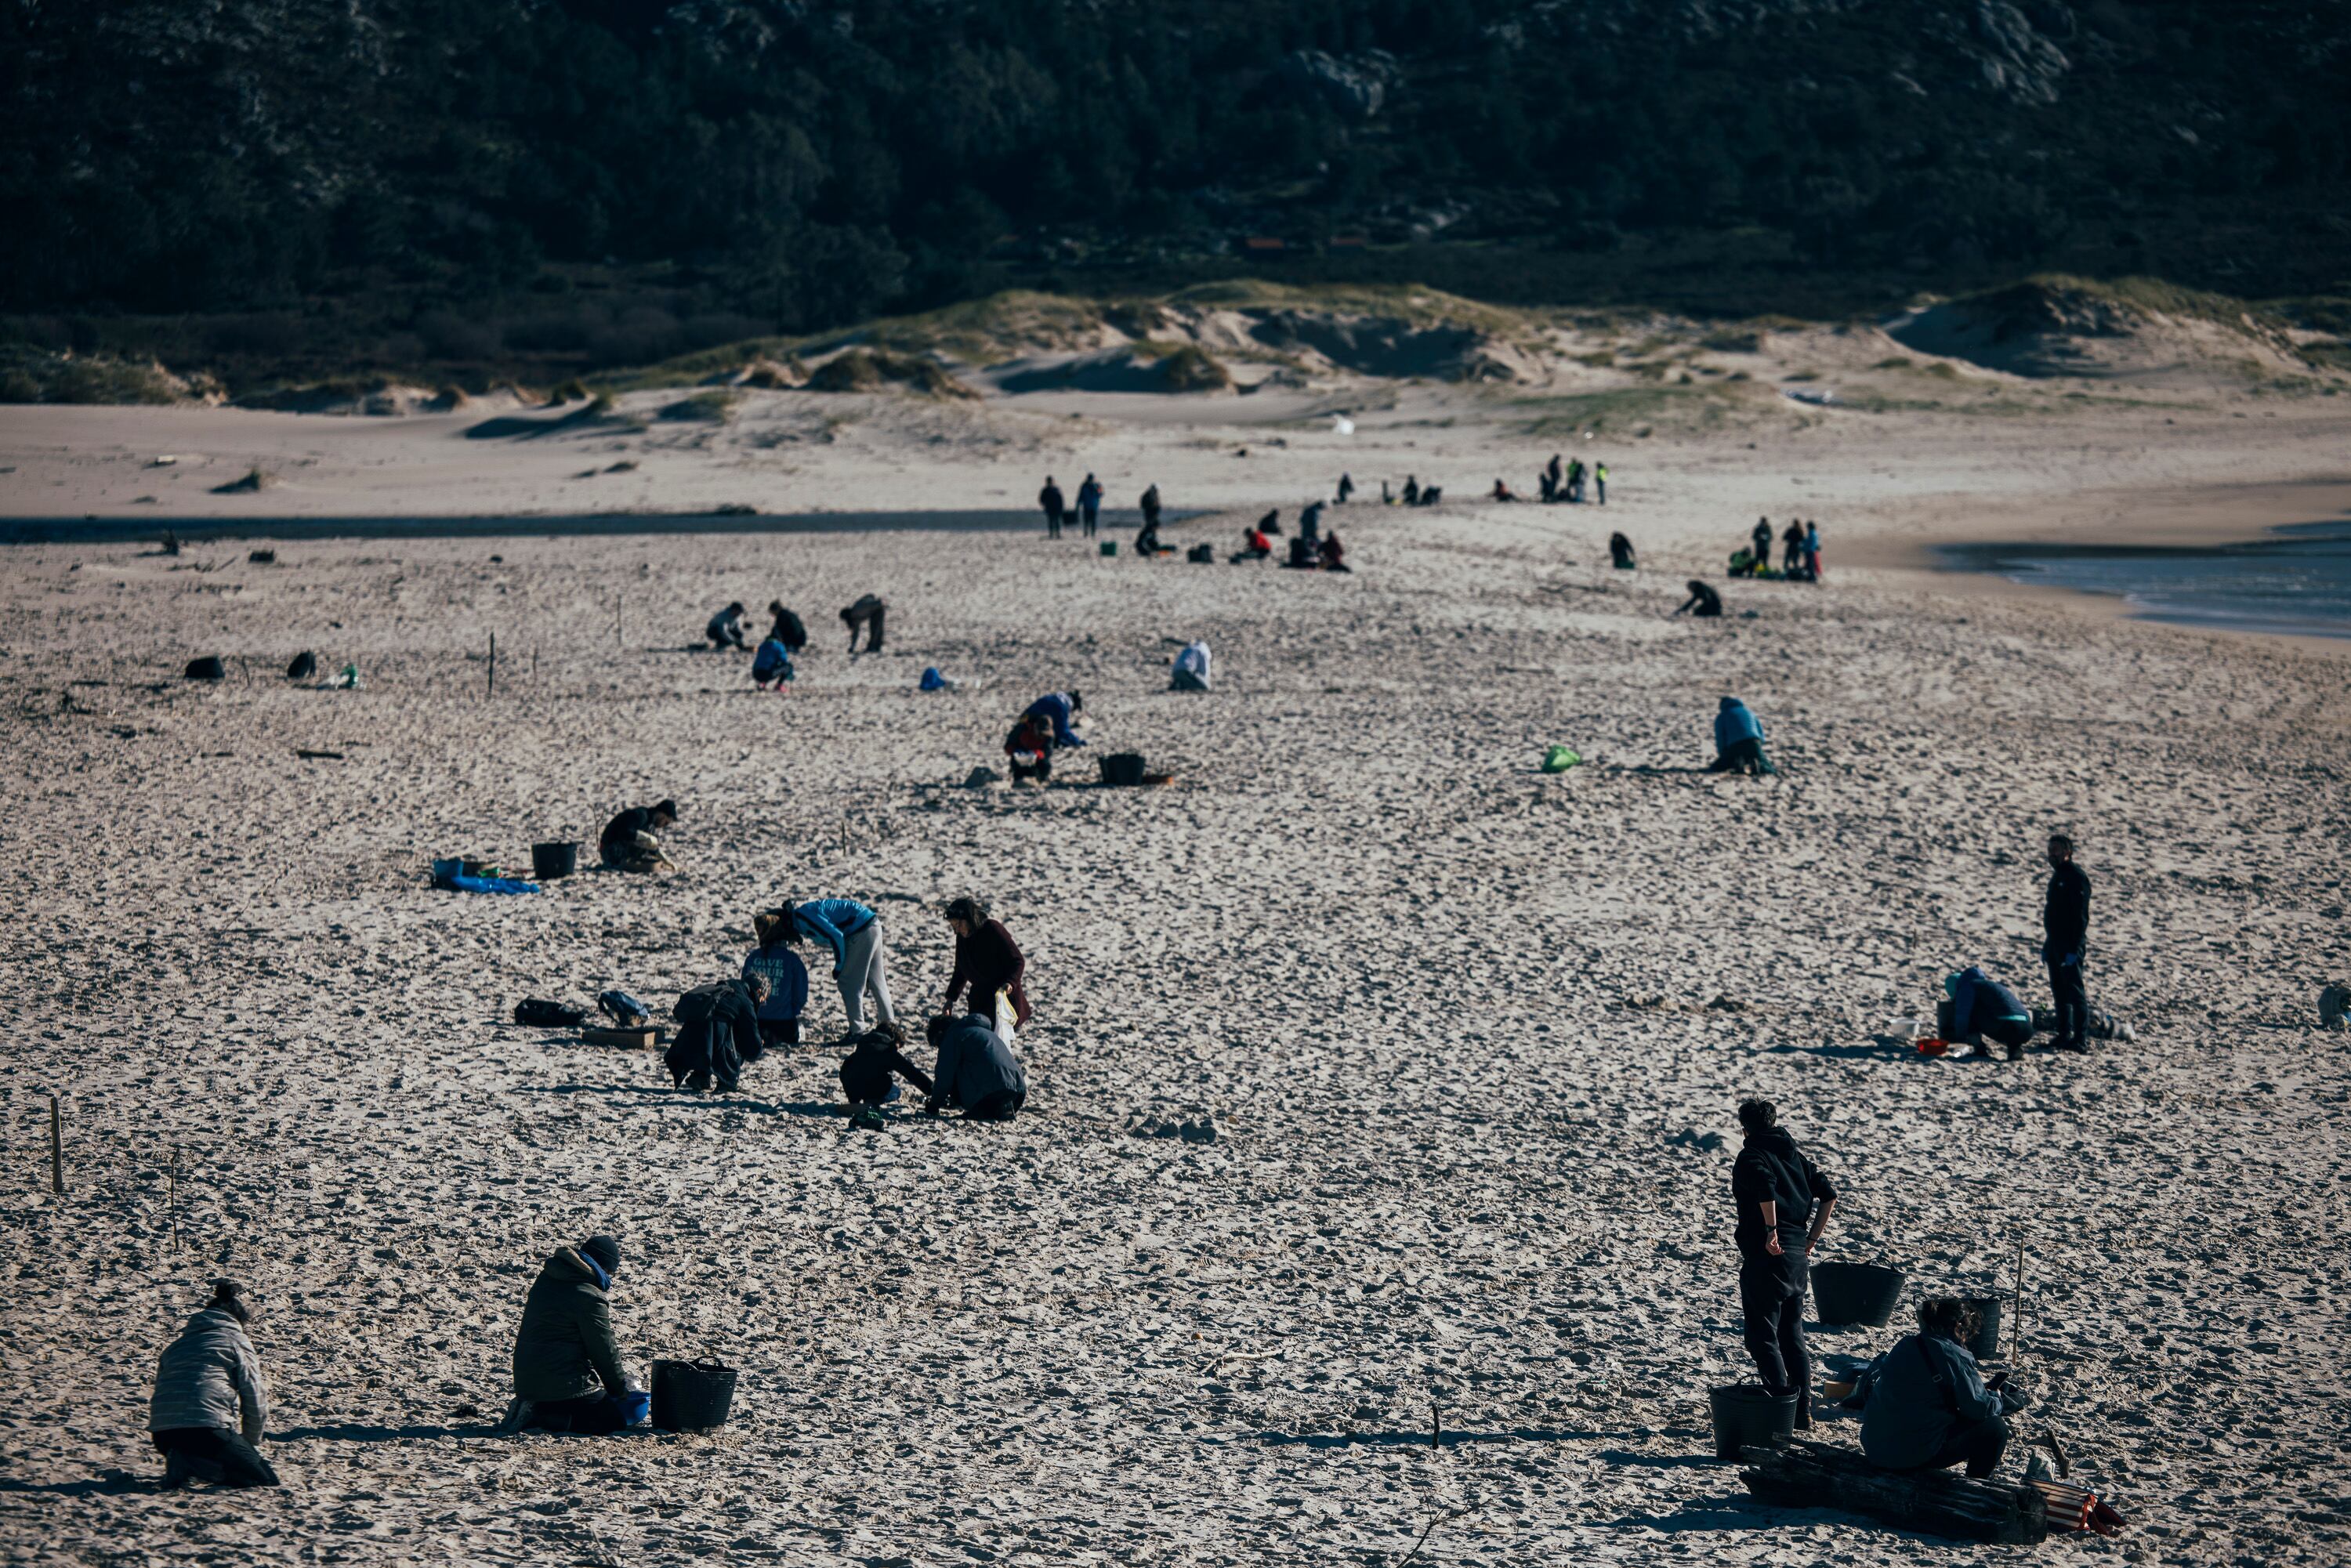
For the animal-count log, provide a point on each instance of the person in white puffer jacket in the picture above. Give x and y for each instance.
(209, 1407)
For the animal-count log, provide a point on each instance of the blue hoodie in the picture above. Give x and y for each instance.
(787, 979)
(1734, 723)
(1055, 706)
(831, 921)
(1971, 989)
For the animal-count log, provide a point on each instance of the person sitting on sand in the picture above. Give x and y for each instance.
(1334, 554)
(1255, 546)
(568, 1373)
(867, 1077)
(786, 629)
(1501, 492)
(1305, 555)
(1703, 602)
(719, 1031)
(1146, 542)
(209, 1407)
(1620, 552)
(867, 614)
(772, 664)
(774, 962)
(1784, 1203)
(976, 1070)
(726, 628)
(628, 843)
(989, 964)
(1059, 707)
(852, 932)
(1929, 1408)
(1028, 750)
(1739, 741)
(1980, 1007)
(1191, 671)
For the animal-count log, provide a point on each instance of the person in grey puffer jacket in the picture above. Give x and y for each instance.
(209, 1407)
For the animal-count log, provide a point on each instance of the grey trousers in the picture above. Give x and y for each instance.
(861, 969)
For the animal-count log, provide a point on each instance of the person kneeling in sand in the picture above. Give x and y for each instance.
(1704, 603)
(209, 1407)
(976, 1070)
(868, 1074)
(567, 1375)
(1255, 546)
(1739, 741)
(1028, 750)
(719, 1031)
(1981, 1007)
(1191, 672)
(1929, 1408)
(628, 841)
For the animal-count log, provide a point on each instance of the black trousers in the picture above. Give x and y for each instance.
(866, 1075)
(2066, 987)
(704, 1052)
(211, 1454)
(871, 622)
(1978, 1444)
(1000, 1106)
(779, 1031)
(591, 1415)
(1771, 1294)
(1742, 756)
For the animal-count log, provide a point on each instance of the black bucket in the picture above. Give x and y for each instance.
(208, 668)
(1855, 1292)
(1985, 1345)
(1122, 770)
(1749, 1415)
(304, 667)
(549, 862)
(692, 1395)
(1945, 1016)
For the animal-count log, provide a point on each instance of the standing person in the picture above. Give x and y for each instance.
(209, 1407)
(1059, 708)
(2064, 932)
(1050, 498)
(1346, 487)
(1792, 561)
(1310, 522)
(719, 1031)
(976, 1070)
(1600, 481)
(1928, 1408)
(1090, 500)
(1784, 1203)
(1739, 741)
(1812, 551)
(786, 629)
(774, 962)
(725, 629)
(852, 932)
(866, 614)
(1762, 537)
(1550, 478)
(1151, 508)
(567, 1372)
(1412, 490)
(988, 961)
(627, 842)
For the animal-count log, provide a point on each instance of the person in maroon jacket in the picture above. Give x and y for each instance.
(988, 961)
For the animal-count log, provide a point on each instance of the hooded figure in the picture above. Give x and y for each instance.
(1783, 1203)
(568, 1373)
(976, 1070)
(1191, 673)
(1738, 741)
(209, 1407)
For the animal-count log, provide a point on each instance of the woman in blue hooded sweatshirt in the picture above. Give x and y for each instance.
(852, 934)
(1738, 741)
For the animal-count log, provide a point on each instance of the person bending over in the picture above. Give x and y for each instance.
(1981, 1007)
(1704, 602)
(867, 1075)
(1620, 552)
(1739, 741)
(1191, 671)
(866, 615)
(852, 934)
(1929, 1408)
(1255, 546)
(719, 1031)
(725, 629)
(628, 843)
(1059, 708)
(1028, 750)
(209, 1407)
(786, 628)
(1784, 1203)
(568, 1375)
(976, 1070)
(2066, 935)
(1146, 540)
(774, 962)
(989, 963)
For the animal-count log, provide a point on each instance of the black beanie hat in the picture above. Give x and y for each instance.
(605, 1251)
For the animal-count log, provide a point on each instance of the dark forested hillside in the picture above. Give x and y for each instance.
(775, 165)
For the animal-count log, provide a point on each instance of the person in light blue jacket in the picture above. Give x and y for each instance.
(852, 932)
(1739, 741)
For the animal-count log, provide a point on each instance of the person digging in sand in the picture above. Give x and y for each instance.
(567, 1372)
(852, 934)
(1703, 604)
(1981, 1007)
(719, 1031)
(1028, 750)
(1784, 1203)
(1062, 709)
(866, 615)
(976, 1070)
(868, 1075)
(628, 843)
(209, 1407)
(726, 628)
(1739, 741)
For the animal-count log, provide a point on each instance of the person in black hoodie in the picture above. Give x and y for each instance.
(1784, 1203)
(719, 1031)
(2065, 929)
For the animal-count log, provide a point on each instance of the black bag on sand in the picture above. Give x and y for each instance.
(304, 667)
(539, 1013)
(208, 668)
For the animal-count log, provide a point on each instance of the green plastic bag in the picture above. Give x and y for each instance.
(1560, 758)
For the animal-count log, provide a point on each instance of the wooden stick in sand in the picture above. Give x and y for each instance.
(2016, 1326)
(492, 690)
(56, 1148)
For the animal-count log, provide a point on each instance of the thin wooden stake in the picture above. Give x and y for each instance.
(493, 689)
(2016, 1329)
(616, 620)
(56, 1148)
(172, 1206)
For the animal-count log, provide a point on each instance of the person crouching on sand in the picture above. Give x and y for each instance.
(868, 1074)
(628, 843)
(1930, 1407)
(719, 1031)
(1255, 546)
(1704, 602)
(774, 961)
(1739, 741)
(1784, 1203)
(1028, 750)
(1620, 552)
(976, 1070)
(1191, 671)
(568, 1373)
(989, 963)
(209, 1407)
(772, 664)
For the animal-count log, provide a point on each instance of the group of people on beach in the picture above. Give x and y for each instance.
(1556, 483)
(772, 663)
(1800, 560)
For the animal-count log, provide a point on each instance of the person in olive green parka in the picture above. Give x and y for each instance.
(567, 1375)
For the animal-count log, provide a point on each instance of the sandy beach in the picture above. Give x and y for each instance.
(1470, 1036)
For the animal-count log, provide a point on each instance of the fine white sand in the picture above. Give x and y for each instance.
(1462, 1028)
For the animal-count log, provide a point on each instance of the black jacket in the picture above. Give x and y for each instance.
(2066, 913)
(1772, 1169)
(722, 1037)
(624, 827)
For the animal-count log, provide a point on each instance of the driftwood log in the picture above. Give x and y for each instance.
(1804, 1474)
